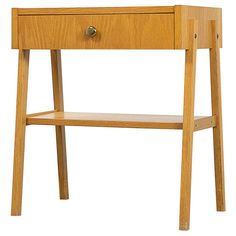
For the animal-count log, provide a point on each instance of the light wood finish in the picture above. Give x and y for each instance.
(126, 31)
(15, 28)
(188, 125)
(118, 120)
(217, 111)
(174, 27)
(20, 132)
(204, 123)
(60, 130)
(118, 28)
(96, 10)
(203, 15)
(40, 113)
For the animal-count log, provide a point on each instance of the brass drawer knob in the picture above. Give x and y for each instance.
(91, 31)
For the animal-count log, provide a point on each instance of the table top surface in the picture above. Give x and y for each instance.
(104, 10)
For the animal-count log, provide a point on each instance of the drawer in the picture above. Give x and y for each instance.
(117, 27)
(117, 31)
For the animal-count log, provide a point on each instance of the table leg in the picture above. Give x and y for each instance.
(21, 107)
(217, 111)
(60, 130)
(188, 126)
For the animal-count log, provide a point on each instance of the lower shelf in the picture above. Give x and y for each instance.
(117, 120)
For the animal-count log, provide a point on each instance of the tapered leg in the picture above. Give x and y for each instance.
(217, 111)
(188, 126)
(60, 130)
(21, 106)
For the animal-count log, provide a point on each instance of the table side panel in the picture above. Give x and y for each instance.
(14, 29)
(204, 15)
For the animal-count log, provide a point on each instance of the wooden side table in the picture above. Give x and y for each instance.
(165, 27)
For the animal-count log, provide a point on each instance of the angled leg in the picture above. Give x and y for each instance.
(21, 106)
(217, 111)
(60, 130)
(188, 126)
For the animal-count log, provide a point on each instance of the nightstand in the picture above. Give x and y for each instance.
(165, 27)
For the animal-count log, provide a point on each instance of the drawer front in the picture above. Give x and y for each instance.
(117, 31)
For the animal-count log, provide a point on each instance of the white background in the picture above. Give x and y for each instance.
(122, 181)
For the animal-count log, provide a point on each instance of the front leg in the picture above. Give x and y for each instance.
(188, 126)
(21, 106)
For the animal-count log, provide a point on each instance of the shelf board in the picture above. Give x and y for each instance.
(116, 120)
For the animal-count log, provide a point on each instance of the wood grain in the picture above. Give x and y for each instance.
(15, 33)
(178, 27)
(204, 123)
(96, 10)
(188, 126)
(60, 130)
(118, 120)
(217, 111)
(118, 28)
(20, 132)
(40, 113)
(203, 15)
(131, 31)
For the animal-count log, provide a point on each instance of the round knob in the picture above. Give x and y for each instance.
(91, 31)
